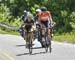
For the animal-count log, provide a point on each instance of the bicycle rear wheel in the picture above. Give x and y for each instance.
(50, 49)
(30, 44)
(30, 48)
(48, 42)
(29, 38)
(46, 39)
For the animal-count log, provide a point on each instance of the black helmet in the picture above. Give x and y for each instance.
(43, 9)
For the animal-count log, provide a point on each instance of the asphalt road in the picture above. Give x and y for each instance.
(13, 48)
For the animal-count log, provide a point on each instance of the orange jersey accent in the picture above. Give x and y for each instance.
(44, 16)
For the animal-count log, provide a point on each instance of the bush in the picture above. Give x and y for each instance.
(16, 22)
(72, 18)
(5, 14)
(7, 18)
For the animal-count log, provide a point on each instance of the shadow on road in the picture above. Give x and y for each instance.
(20, 45)
(31, 54)
(22, 54)
(32, 47)
(28, 53)
(39, 53)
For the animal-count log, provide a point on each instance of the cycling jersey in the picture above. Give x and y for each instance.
(29, 24)
(44, 16)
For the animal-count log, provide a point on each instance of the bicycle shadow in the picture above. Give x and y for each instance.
(32, 47)
(20, 45)
(28, 53)
(31, 54)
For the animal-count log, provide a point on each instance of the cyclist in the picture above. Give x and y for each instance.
(44, 18)
(29, 22)
(36, 17)
(29, 27)
(36, 20)
(24, 17)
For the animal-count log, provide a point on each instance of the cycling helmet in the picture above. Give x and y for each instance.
(30, 16)
(43, 9)
(38, 10)
(28, 13)
(25, 11)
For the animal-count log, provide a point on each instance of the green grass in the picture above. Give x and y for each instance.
(9, 32)
(66, 37)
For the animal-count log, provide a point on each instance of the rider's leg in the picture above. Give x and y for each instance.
(43, 39)
(48, 32)
(51, 32)
(21, 31)
(38, 33)
(43, 35)
(43, 25)
(27, 40)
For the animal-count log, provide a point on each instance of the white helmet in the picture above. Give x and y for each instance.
(28, 13)
(25, 11)
(38, 10)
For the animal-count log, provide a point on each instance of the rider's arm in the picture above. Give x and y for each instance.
(36, 18)
(52, 23)
(32, 21)
(50, 18)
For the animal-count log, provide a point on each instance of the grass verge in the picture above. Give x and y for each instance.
(65, 37)
(9, 32)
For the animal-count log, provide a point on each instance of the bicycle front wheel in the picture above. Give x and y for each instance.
(49, 40)
(30, 44)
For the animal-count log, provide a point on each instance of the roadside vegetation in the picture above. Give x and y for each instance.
(65, 37)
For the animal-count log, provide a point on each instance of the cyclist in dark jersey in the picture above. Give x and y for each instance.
(29, 23)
